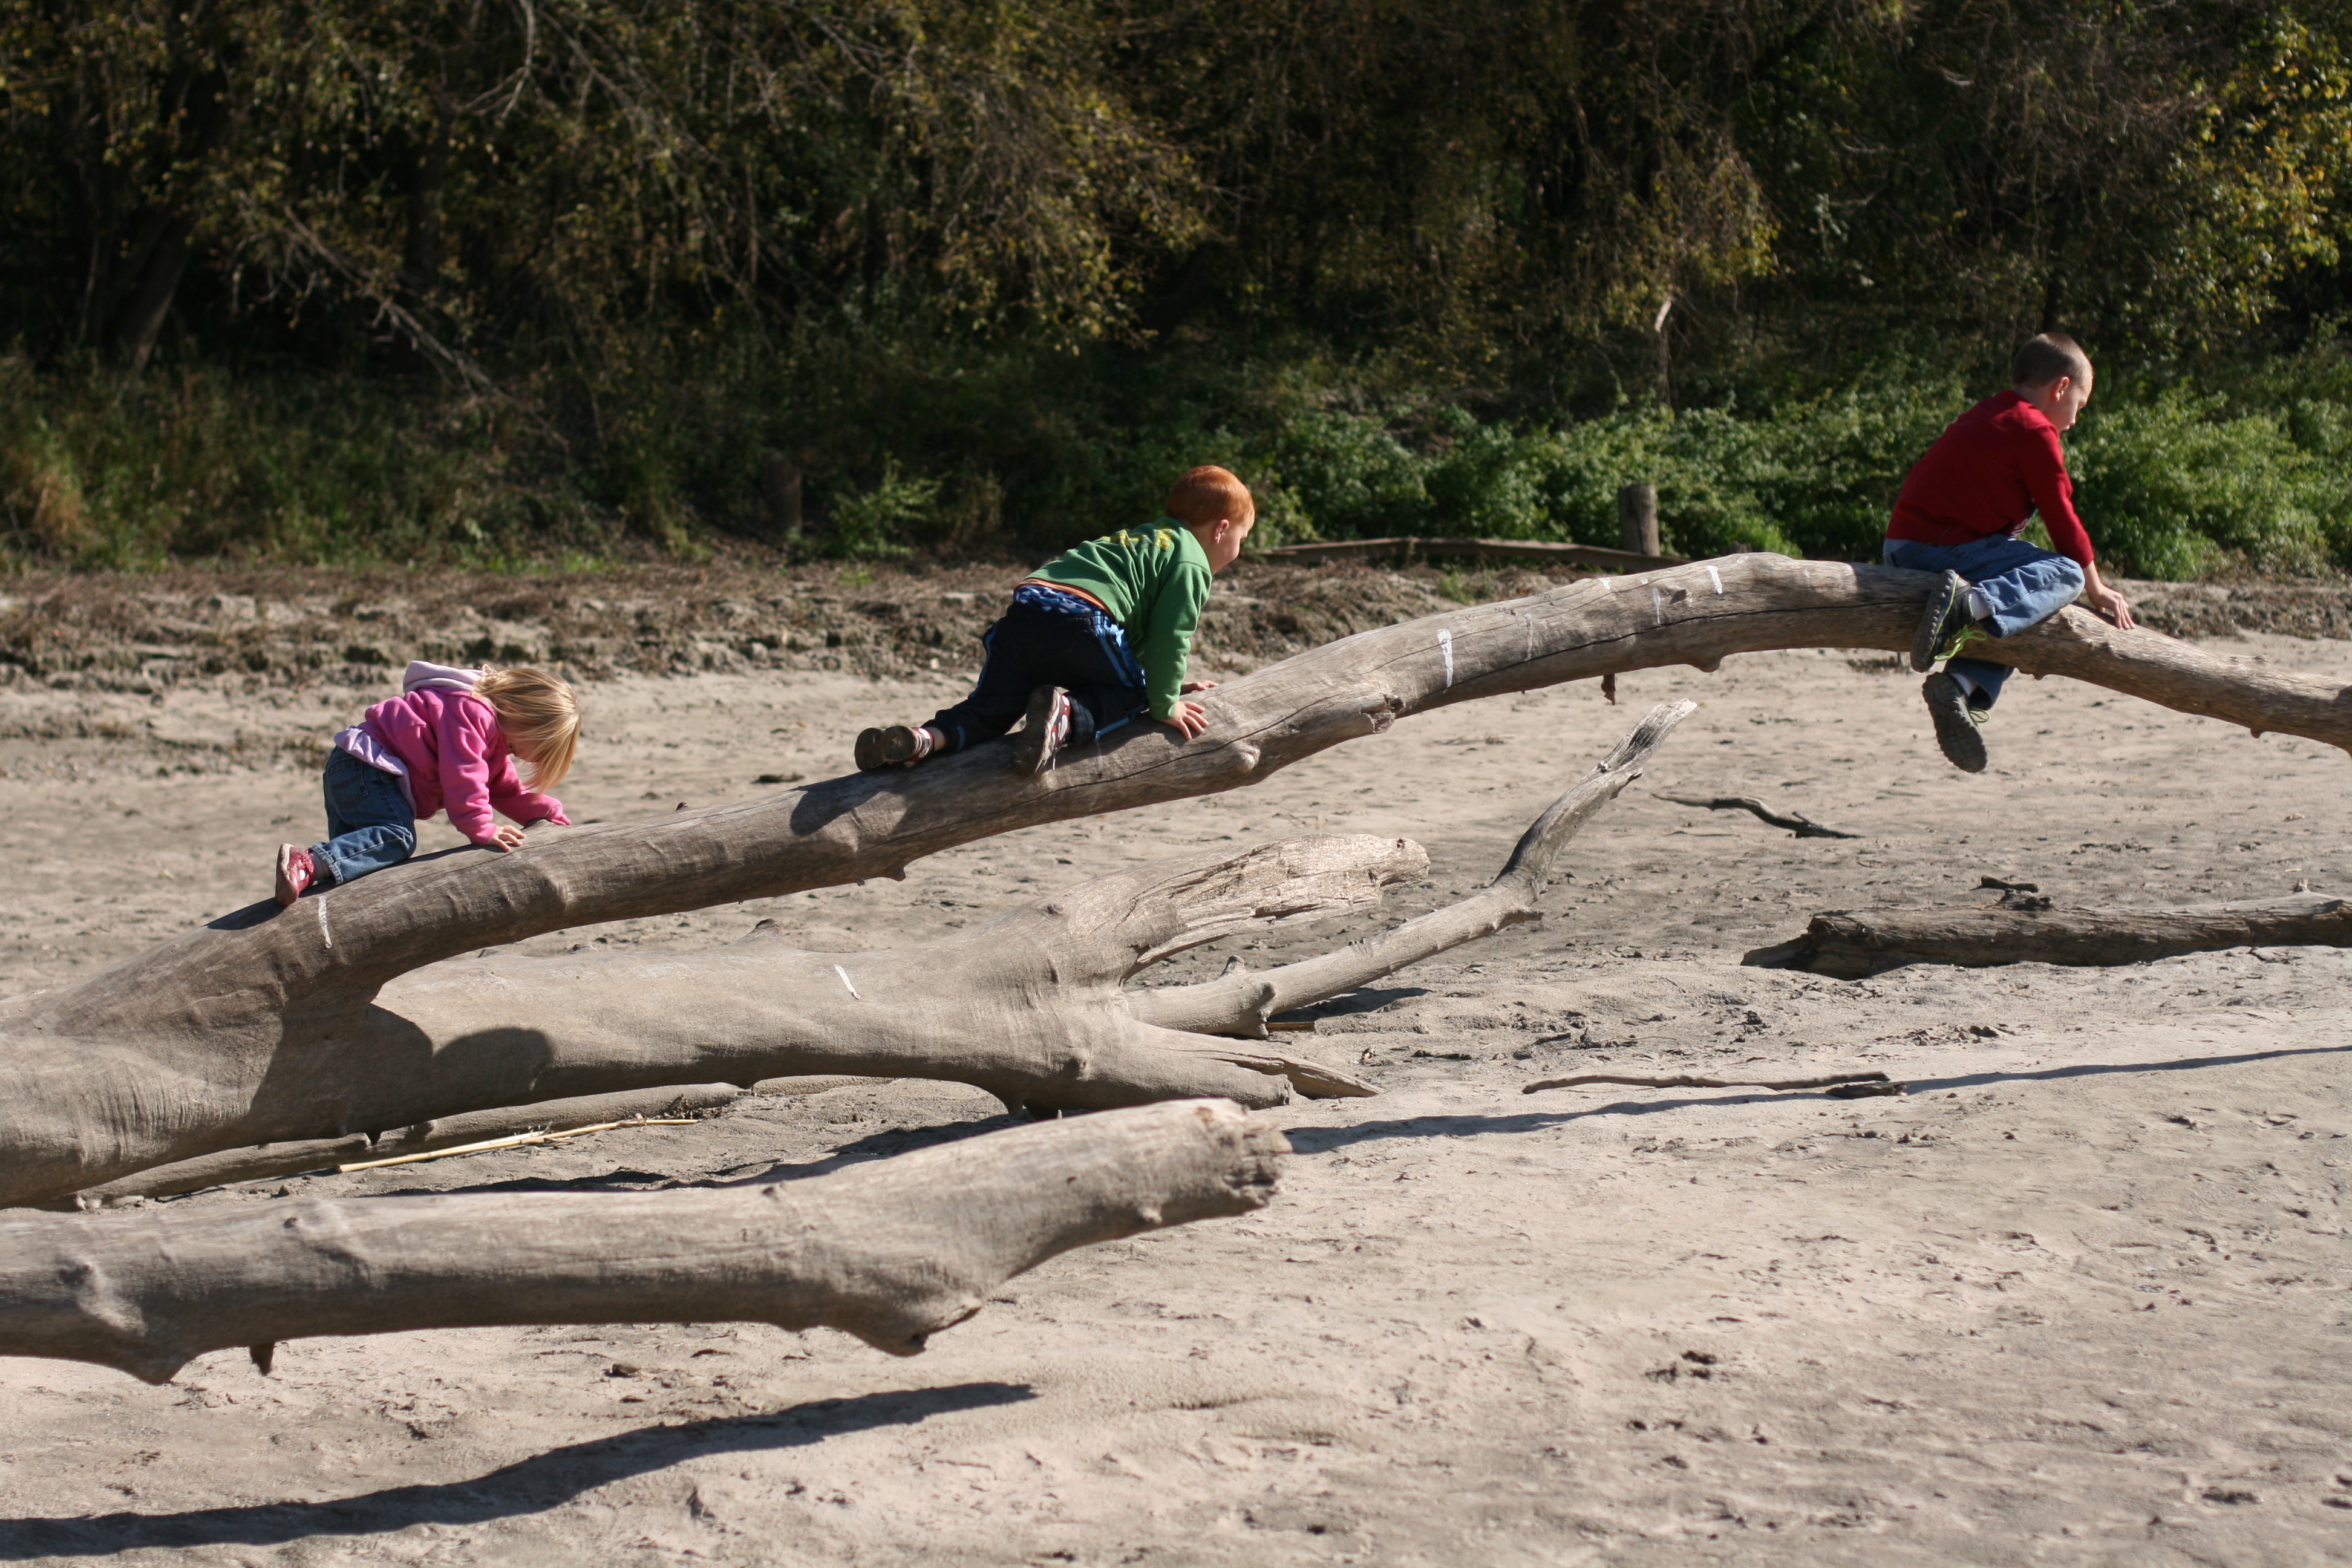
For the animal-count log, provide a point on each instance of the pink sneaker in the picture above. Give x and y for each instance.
(296, 871)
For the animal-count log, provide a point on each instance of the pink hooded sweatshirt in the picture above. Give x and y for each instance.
(445, 746)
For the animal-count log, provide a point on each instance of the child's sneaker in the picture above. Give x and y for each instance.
(1957, 722)
(1047, 727)
(1946, 618)
(893, 746)
(296, 871)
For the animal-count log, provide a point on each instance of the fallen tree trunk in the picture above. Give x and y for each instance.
(892, 1252)
(1851, 944)
(253, 1028)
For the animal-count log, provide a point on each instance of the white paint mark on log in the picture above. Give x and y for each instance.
(1715, 577)
(325, 936)
(1445, 647)
(1657, 605)
(844, 980)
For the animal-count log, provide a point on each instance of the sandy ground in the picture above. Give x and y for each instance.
(2080, 1297)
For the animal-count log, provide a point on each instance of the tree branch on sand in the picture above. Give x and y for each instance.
(1851, 944)
(892, 1251)
(325, 1018)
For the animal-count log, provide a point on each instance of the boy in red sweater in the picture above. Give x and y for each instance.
(1959, 513)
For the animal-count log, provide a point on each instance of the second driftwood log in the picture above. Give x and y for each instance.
(1850, 944)
(891, 1252)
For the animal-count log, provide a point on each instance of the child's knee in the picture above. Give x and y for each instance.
(2071, 573)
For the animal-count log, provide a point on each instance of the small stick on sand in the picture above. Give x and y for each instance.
(540, 1136)
(1688, 1083)
(1803, 826)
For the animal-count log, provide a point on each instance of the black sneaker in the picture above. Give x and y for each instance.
(1047, 726)
(893, 746)
(1956, 722)
(1946, 617)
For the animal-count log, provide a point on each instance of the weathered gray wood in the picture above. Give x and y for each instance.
(268, 1024)
(1850, 944)
(320, 1154)
(1240, 1002)
(892, 1251)
(1637, 518)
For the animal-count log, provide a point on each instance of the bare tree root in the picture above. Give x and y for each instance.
(1239, 1002)
(891, 1252)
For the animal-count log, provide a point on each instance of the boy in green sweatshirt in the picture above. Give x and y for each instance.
(1097, 635)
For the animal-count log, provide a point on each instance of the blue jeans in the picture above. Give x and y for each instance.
(1048, 638)
(370, 824)
(2024, 585)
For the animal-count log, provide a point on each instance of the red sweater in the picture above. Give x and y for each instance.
(1990, 472)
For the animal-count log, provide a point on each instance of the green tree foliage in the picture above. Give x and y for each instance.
(994, 266)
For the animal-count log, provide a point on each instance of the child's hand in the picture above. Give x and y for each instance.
(2111, 605)
(503, 837)
(1193, 686)
(1188, 720)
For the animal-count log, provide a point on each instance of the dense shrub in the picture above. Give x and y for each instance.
(1020, 453)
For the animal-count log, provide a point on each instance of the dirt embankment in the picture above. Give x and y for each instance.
(279, 634)
(250, 631)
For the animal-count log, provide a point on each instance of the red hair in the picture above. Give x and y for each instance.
(1208, 493)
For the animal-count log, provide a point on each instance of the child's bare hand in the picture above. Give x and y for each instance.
(1193, 686)
(505, 836)
(2111, 605)
(1187, 718)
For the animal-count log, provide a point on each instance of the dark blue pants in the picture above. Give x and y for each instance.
(1085, 654)
(370, 824)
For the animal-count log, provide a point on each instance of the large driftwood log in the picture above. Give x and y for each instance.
(1032, 1006)
(893, 1251)
(1851, 944)
(251, 1028)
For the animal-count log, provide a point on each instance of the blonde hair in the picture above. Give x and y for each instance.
(540, 717)
(1209, 493)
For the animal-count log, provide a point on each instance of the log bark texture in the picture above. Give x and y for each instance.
(1851, 944)
(250, 1029)
(891, 1252)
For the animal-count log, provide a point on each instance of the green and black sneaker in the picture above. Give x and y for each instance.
(1957, 724)
(1945, 622)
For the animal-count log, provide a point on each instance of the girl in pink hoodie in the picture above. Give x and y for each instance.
(450, 739)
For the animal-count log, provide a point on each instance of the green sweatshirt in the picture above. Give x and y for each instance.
(1153, 581)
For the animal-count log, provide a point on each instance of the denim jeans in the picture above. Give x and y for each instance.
(2024, 585)
(370, 824)
(1048, 638)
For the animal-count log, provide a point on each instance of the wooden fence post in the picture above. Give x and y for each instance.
(1637, 516)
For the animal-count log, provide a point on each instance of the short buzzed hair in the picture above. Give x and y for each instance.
(1208, 493)
(2043, 360)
